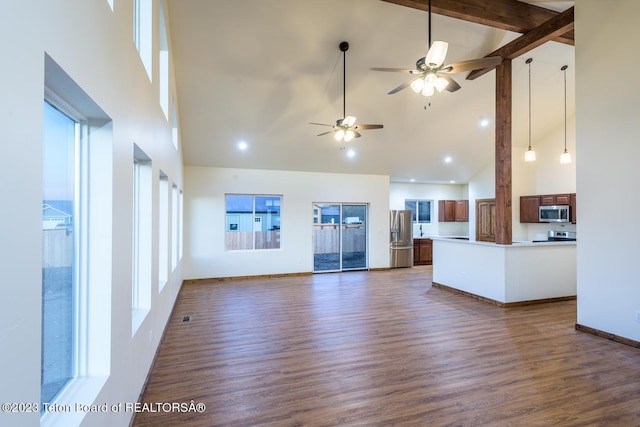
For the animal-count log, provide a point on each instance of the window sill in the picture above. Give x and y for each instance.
(69, 408)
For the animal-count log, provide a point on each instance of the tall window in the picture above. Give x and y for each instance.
(174, 226)
(252, 222)
(142, 235)
(174, 124)
(421, 210)
(143, 31)
(163, 62)
(60, 269)
(163, 230)
(77, 243)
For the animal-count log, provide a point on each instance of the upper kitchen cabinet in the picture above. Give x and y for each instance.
(462, 211)
(530, 205)
(554, 199)
(453, 210)
(529, 208)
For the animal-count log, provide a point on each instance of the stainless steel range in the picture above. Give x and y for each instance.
(561, 236)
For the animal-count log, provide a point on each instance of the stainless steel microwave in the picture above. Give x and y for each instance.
(554, 213)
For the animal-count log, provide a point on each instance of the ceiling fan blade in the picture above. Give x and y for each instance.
(356, 134)
(319, 124)
(452, 86)
(325, 133)
(402, 86)
(365, 127)
(473, 64)
(393, 70)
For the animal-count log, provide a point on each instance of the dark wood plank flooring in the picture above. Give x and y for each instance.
(380, 349)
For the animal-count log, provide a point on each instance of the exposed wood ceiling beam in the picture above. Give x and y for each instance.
(510, 15)
(559, 24)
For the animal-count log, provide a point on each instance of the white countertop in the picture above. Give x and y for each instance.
(462, 240)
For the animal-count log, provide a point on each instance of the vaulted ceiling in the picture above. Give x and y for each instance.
(259, 71)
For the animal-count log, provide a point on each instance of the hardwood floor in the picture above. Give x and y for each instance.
(379, 349)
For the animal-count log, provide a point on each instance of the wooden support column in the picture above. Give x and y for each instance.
(503, 153)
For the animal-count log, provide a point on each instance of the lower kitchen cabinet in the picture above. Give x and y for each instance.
(422, 251)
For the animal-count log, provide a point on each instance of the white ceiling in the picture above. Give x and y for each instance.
(260, 70)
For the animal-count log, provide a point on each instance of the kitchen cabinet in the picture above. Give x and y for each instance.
(554, 199)
(453, 210)
(529, 205)
(422, 251)
(486, 220)
(462, 211)
(529, 209)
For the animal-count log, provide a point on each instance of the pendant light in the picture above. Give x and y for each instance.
(565, 157)
(530, 155)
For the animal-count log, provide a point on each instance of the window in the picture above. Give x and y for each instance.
(163, 230)
(421, 210)
(174, 226)
(163, 62)
(174, 124)
(60, 250)
(142, 31)
(252, 222)
(142, 235)
(180, 223)
(77, 162)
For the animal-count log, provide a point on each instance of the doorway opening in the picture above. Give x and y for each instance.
(339, 237)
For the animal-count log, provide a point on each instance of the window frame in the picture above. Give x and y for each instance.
(254, 218)
(416, 212)
(94, 166)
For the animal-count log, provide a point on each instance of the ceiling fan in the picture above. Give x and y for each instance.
(431, 74)
(345, 128)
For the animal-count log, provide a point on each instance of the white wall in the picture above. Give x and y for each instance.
(607, 129)
(401, 191)
(93, 45)
(205, 188)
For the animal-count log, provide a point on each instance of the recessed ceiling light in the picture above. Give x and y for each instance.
(448, 159)
(351, 153)
(452, 182)
(242, 145)
(484, 122)
(412, 180)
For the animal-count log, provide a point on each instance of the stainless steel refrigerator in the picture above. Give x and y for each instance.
(401, 238)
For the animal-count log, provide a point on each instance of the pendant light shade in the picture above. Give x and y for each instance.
(565, 157)
(530, 155)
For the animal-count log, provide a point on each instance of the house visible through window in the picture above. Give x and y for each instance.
(421, 210)
(252, 222)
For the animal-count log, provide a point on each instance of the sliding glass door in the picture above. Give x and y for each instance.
(339, 237)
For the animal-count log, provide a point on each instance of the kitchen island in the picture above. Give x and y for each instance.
(524, 272)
